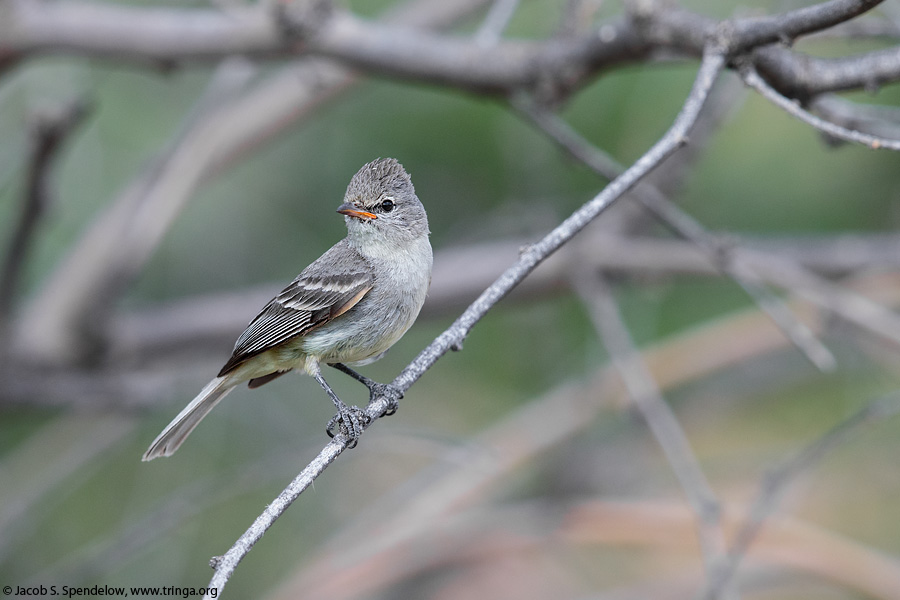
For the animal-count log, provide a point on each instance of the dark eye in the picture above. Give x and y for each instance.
(387, 205)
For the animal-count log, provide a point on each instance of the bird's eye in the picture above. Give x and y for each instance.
(387, 205)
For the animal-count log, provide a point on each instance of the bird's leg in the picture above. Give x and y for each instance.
(352, 418)
(376, 389)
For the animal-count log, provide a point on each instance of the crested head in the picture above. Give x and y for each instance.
(381, 176)
(381, 202)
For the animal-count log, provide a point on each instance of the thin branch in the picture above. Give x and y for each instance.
(757, 31)
(774, 485)
(752, 78)
(882, 121)
(798, 75)
(167, 36)
(849, 305)
(454, 336)
(495, 22)
(745, 265)
(719, 253)
(226, 564)
(48, 131)
(673, 139)
(390, 526)
(647, 397)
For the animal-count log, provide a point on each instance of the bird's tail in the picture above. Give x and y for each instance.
(167, 442)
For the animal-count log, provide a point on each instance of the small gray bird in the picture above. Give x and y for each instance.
(349, 306)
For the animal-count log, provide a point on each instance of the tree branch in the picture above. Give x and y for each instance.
(454, 336)
(881, 121)
(48, 131)
(166, 36)
(752, 78)
(495, 22)
(720, 255)
(785, 28)
(801, 76)
(647, 397)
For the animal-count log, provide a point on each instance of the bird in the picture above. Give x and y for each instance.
(349, 306)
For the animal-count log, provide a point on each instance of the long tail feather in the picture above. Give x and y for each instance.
(167, 442)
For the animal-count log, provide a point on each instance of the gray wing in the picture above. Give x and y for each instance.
(326, 289)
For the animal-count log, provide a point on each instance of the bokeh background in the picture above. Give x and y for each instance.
(530, 503)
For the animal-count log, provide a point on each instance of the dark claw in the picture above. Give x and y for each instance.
(392, 394)
(350, 422)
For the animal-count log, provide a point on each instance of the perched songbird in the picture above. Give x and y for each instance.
(349, 306)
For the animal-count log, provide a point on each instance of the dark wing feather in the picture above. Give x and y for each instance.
(323, 291)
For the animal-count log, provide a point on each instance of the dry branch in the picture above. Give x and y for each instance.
(454, 336)
(334, 41)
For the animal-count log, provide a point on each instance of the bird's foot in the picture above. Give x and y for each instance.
(375, 389)
(350, 421)
(390, 392)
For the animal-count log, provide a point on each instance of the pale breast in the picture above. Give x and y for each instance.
(370, 328)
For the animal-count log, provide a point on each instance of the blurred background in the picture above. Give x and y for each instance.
(515, 468)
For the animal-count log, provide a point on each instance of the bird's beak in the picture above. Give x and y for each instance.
(351, 211)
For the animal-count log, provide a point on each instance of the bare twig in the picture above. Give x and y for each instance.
(462, 477)
(170, 36)
(757, 31)
(881, 121)
(48, 131)
(454, 336)
(495, 22)
(776, 482)
(673, 139)
(752, 78)
(719, 253)
(843, 302)
(647, 397)
(747, 267)
(802, 76)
